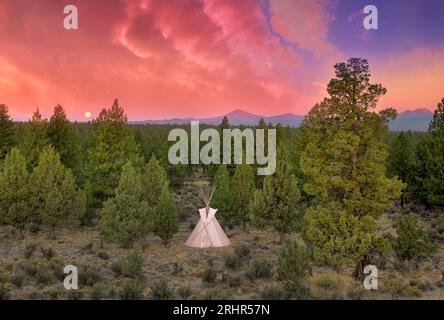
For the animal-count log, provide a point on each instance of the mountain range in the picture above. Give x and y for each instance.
(414, 120)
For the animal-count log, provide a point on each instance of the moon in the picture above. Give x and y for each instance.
(87, 114)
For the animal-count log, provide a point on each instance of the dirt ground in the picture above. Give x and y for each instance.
(32, 268)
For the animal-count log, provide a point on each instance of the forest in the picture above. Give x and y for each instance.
(346, 193)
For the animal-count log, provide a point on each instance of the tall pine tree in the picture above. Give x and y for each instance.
(344, 165)
(14, 191)
(126, 217)
(54, 196)
(6, 131)
(242, 193)
(35, 138)
(401, 160)
(165, 223)
(222, 196)
(64, 138)
(154, 180)
(113, 145)
(280, 199)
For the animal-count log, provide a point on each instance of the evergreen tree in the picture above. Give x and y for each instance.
(222, 196)
(429, 168)
(6, 131)
(280, 199)
(413, 242)
(36, 138)
(126, 217)
(154, 180)
(165, 223)
(242, 193)
(64, 138)
(14, 192)
(54, 196)
(294, 265)
(344, 166)
(401, 160)
(114, 144)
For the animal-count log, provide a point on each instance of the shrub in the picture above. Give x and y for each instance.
(184, 292)
(412, 243)
(74, 295)
(29, 250)
(130, 289)
(131, 266)
(273, 292)
(89, 275)
(97, 292)
(43, 273)
(209, 276)
(53, 294)
(216, 294)
(293, 266)
(47, 253)
(103, 255)
(4, 292)
(56, 265)
(232, 261)
(259, 268)
(18, 279)
(242, 251)
(234, 282)
(160, 290)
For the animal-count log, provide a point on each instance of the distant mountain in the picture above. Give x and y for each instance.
(414, 120)
(236, 118)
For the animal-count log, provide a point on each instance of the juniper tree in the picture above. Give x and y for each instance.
(14, 191)
(343, 162)
(429, 166)
(54, 196)
(6, 131)
(113, 145)
(165, 223)
(242, 193)
(35, 138)
(154, 180)
(401, 160)
(413, 242)
(222, 197)
(126, 217)
(280, 199)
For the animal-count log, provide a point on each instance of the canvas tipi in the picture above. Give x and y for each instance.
(208, 232)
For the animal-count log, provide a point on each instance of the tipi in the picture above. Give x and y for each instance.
(208, 232)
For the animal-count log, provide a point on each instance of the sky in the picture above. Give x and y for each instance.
(201, 58)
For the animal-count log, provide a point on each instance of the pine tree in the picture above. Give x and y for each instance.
(114, 144)
(222, 197)
(165, 223)
(413, 242)
(35, 138)
(429, 167)
(294, 265)
(344, 166)
(7, 132)
(401, 160)
(242, 193)
(64, 138)
(280, 199)
(54, 196)
(154, 181)
(126, 217)
(14, 191)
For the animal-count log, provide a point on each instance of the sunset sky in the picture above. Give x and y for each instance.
(200, 58)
